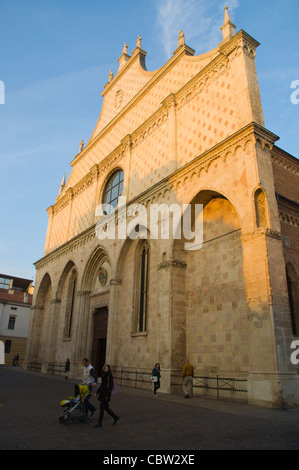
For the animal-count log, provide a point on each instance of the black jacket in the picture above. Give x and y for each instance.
(156, 372)
(104, 391)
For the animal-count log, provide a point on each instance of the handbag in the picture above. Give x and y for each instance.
(154, 378)
(114, 390)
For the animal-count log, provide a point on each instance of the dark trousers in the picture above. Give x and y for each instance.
(156, 386)
(88, 406)
(104, 406)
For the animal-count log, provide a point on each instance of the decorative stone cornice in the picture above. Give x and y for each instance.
(83, 292)
(270, 232)
(288, 162)
(67, 248)
(252, 133)
(115, 282)
(39, 308)
(199, 82)
(61, 203)
(172, 263)
(242, 41)
(149, 126)
(261, 232)
(288, 218)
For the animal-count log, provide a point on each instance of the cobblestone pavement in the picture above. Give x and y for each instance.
(30, 408)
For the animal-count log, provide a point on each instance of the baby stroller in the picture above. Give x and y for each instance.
(74, 407)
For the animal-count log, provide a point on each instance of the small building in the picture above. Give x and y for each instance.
(15, 302)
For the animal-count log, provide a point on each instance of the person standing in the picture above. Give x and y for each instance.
(67, 368)
(156, 374)
(15, 361)
(90, 379)
(187, 379)
(104, 395)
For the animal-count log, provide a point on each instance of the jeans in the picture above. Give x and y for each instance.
(88, 406)
(156, 386)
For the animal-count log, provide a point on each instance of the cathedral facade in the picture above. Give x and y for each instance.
(121, 281)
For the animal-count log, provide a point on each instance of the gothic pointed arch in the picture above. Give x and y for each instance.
(210, 299)
(44, 291)
(41, 315)
(66, 300)
(98, 259)
(65, 273)
(141, 279)
(260, 202)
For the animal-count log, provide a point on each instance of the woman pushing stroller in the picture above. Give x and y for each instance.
(104, 394)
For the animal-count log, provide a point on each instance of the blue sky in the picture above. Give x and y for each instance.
(55, 57)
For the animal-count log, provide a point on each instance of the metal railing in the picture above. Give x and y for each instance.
(140, 379)
(55, 368)
(218, 383)
(123, 377)
(52, 368)
(37, 366)
(224, 384)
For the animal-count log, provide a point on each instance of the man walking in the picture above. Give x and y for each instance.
(187, 379)
(90, 379)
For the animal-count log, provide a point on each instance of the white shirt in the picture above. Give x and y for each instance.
(87, 379)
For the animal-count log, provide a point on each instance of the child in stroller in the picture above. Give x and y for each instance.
(74, 407)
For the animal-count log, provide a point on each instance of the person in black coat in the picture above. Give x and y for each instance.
(156, 373)
(104, 394)
(67, 368)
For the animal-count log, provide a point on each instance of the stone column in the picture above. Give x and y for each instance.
(127, 149)
(95, 180)
(53, 328)
(68, 233)
(272, 377)
(32, 340)
(270, 381)
(80, 346)
(170, 105)
(115, 285)
(171, 304)
(50, 211)
(48, 323)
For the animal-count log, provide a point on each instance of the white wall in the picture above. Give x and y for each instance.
(21, 314)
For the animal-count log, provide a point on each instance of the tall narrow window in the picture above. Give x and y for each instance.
(11, 323)
(113, 191)
(293, 297)
(142, 268)
(143, 289)
(72, 306)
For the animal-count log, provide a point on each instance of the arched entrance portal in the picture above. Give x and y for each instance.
(94, 303)
(98, 352)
